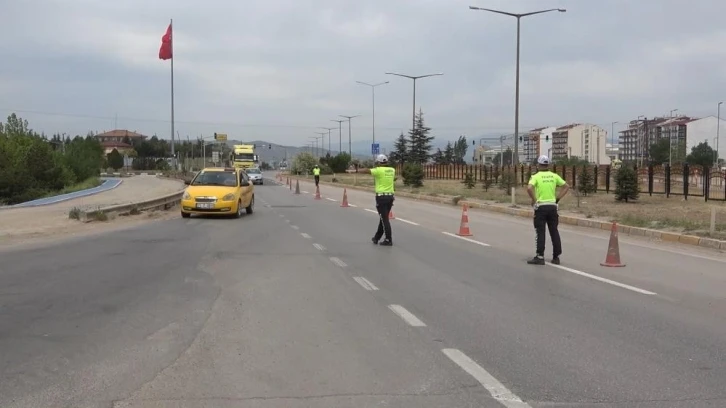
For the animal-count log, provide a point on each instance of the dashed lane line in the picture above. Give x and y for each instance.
(367, 285)
(295, 227)
(320, 247)
(304, 235)
(407, 316)
(338, 262)
(407, 221)
(498, 391)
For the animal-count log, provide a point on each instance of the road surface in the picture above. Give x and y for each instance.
(292, 306)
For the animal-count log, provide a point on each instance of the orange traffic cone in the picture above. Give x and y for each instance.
(345, 198)
(317, 192)
(464, 227)
(289, 184)
(391, 216)
(297, 187)
(612, 258)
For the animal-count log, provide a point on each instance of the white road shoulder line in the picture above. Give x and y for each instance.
(407, 221)
(473, 241)
(367, 285)
(330, 199)
(407, 316)
(338, 262)
(498, 391)
(295, 227)
(304, 235)
(605, 280)
(319, 247)
(373, 211)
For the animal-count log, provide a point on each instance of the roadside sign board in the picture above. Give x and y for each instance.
(222, 137)
(375, 148)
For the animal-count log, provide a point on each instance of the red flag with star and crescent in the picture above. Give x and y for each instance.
(165, 51)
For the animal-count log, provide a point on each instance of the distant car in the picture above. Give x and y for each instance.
(218, 191)
(255, 175)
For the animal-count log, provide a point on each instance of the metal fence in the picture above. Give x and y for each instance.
(683, 180)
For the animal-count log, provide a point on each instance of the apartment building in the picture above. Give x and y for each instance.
(583, 140)
(683, 132)
(535, 143)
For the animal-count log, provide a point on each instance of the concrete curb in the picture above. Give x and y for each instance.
(163, 202)
(665, 236)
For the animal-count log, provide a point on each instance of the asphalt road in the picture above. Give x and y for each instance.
(292, 306)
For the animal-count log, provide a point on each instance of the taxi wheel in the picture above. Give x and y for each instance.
(238, 213)
(251, 207)
(185, 215)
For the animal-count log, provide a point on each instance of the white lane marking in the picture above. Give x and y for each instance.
(295, 227)
(281, 216)
(319, 247)
(407, 316)
(407, 221)
(305, 235)
(305, 192)
(498, 391)
(465, 239)
(352, 205)
(373, 211)
(367, 285)
(338, 262)
(287, 221)
(330, 199)
(605, 280)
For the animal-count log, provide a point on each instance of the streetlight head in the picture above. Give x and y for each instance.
(562, 10)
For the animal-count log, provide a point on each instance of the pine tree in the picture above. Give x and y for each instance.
(438, 157)
(586, 181)
(400, 149)
(420, 141)
(626, 184)
(449, 153)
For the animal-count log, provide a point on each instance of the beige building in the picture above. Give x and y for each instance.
(120, 140)
(583, 140)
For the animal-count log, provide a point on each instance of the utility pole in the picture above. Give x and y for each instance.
(340, 133)
(328, 129)
(350, 138)
(414, 78)
(373, 94)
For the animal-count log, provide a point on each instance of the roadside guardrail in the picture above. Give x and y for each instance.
(163, 203)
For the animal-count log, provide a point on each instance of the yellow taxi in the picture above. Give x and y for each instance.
(218, 191)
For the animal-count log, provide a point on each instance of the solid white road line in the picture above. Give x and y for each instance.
(319, 247)
(305, 235)
(338, 262)
(330, 199)
(498, 391)
(305, 192)
(295, 227)
(367, 285)
(373, 211)
(597, 278)
(407, 316)
(352, 205)
(465, 239)
(407, 221)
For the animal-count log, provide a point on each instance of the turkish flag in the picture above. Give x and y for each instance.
(165, 52)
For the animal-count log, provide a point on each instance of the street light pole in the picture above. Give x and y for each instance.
(340, 134)
(373, 95)
(414, 78)
(612, 137)
(319, 145)
(350, 138)
(519, 16)
(718, 130)
(670, 140)
(328, 129)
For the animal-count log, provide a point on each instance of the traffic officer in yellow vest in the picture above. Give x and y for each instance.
(316, 173)
(542, 189)
(385, 180)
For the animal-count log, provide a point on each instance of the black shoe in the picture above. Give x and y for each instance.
(375, 240)
(386, 242)
(536, 261)
(556, 260)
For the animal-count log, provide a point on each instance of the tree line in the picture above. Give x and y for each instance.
(33, 165)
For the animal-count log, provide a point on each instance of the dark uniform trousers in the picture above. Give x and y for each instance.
(546, 216)
(384, 203)
(317, 180)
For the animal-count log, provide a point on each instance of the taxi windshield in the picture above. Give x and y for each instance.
(253, 171)
(215, 178)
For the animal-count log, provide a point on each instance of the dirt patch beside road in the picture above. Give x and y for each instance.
(21, 225)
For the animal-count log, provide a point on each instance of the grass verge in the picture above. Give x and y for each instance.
(674, 214)
(83, 185)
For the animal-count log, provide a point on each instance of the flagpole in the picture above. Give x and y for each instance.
(171, 21)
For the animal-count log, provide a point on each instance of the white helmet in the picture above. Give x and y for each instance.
(543, 160)
(381, 158)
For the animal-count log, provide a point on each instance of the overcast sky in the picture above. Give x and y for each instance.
(278, 69)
